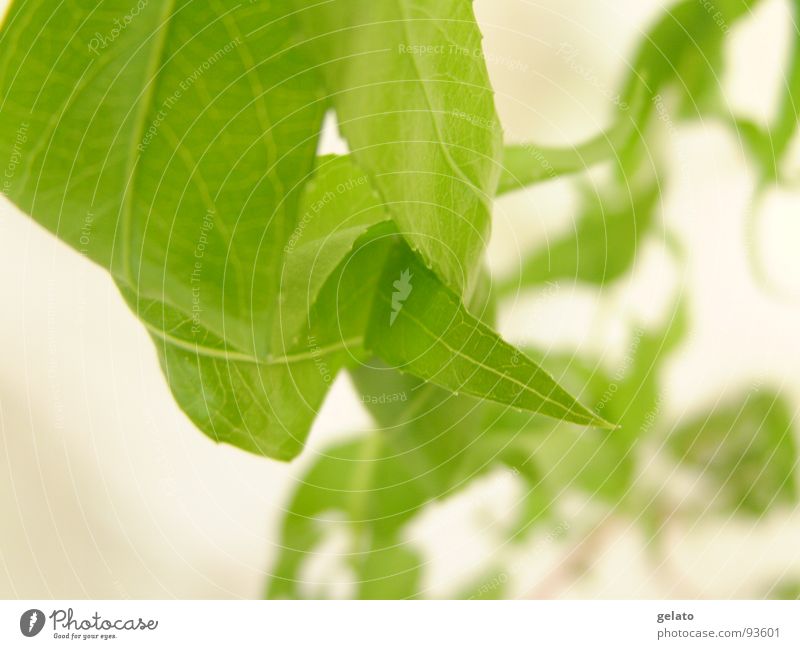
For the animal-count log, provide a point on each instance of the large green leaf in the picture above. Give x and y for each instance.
(171, 151)
(267, 405)
(417, 110)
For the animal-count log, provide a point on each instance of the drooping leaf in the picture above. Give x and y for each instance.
(417, 110)
(267, 405)
(172, 151)
(482, 364)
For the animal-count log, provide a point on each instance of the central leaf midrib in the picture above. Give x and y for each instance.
(501, 376)
(155, 63)
(242, 357)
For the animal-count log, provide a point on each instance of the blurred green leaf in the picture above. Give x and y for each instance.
(382, 480)
(601, 247)
(681, 52)
(768, 145)
(528, 164)
(603, 464)
(746, 449)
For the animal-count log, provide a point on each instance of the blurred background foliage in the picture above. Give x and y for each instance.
(430, 445)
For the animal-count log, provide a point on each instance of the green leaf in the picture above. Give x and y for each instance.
(267, 405)
(421, 327)
(420, 121)
(747, 451)
(785, 126)
(377, 491)
(683, 50)
(338, 206)
(769, 145)
(383, 480)
(603, 465)
(528, 164)
(170, 151)
(466, 355)
(601, 247)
